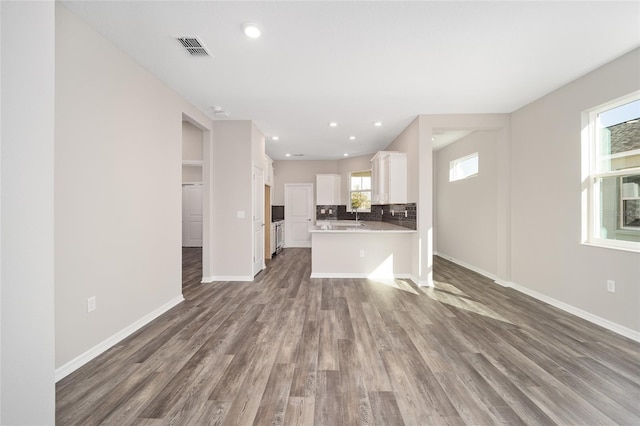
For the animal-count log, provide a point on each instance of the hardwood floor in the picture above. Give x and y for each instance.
(287, 349)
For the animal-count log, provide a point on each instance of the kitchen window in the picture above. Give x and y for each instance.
(612, 141)
(360, 191)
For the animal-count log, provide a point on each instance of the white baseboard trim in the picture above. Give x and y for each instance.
(504, 283)
(358, 275)
(602, 322)
(416, 281)
(207, 280)
(468, 266)
(84, 358)
(424, 283)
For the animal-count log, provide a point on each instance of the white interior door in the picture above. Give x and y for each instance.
(192, 215)
(298, 214)
(258, 220)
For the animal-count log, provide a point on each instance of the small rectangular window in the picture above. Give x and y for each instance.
(360, 191)
(464, 167)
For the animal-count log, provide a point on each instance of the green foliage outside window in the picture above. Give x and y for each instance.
(360, 200)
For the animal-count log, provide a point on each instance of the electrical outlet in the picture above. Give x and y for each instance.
(91, 304)
(322, 211)
(361, 253)
(330, 211)
(611, 286)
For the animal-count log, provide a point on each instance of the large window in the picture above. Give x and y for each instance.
(613, 135)
(360, 191)
(464, 167)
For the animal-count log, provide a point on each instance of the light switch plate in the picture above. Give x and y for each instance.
(240, 214)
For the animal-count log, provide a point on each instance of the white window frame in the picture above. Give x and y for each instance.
(591, 218)
(370, 191)
(454, 163)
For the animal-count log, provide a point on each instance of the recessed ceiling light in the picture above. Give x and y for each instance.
(275, 138)
(287, 155)
(251, 30)
(433, 138)
(345, 155)
(378, 123)
(333, 124)
(352, 138)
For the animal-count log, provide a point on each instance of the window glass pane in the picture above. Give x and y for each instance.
(366, 182)
(361, 180)
(630, 194)
(360, 191)
(618, 144)
(618, 207)
(356, 183)
(361, 200)
(464, 167)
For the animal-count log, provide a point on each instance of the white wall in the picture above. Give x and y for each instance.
(499, 125)
(192, 149)
(257, 147)
(117, 192)
(232, 250)
(298, 171)
(546, 201)
(27, 263)
(191, 142)
(466, 210)
(415, 141)
(304, 171)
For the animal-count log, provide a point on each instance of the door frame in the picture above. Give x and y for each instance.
(207, 161)
(257, 189)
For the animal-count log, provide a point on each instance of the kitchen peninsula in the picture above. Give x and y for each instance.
(350, 249)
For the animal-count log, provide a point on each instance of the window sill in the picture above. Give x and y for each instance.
(606, 246)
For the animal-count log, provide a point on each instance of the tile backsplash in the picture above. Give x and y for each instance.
(391, 213)
(395, 213)
(374, 215)
(326, 212)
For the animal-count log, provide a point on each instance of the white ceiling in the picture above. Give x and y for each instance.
(360, 62)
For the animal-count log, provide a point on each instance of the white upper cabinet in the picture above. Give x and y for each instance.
(328, 190)
(389, 177)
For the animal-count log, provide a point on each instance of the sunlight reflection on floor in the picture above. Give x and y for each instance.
(384, 275)
(395, 283)
(451, 295)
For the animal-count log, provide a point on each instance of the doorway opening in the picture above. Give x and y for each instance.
(196, 222)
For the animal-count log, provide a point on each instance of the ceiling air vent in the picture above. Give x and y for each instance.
(193, 45)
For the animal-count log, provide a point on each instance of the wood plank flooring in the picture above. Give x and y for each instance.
(290, 350)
